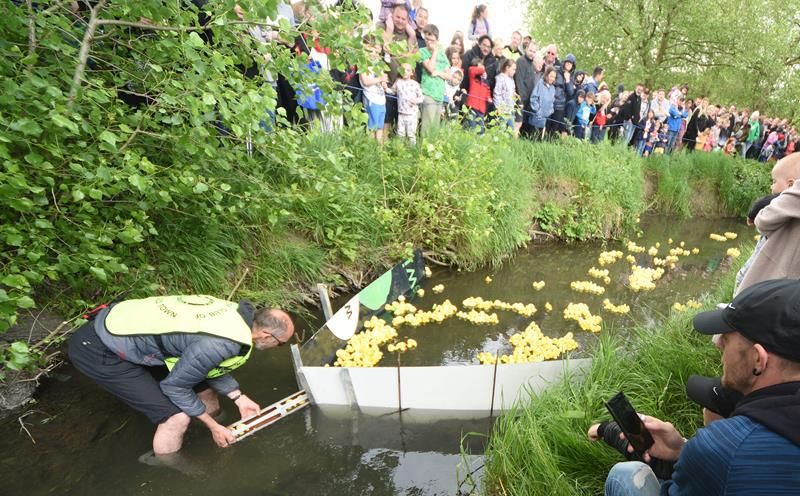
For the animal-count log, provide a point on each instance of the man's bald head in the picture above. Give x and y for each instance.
(274, 321)
(785, 172)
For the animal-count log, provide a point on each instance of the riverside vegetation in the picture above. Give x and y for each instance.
(104, 194)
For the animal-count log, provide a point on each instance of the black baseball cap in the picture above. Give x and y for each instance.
(709, 393)
(767, 313)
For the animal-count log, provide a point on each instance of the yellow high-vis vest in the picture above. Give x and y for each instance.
(192, 314)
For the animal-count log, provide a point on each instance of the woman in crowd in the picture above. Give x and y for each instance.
(697, 122)
(542, 101)
(479, 25)
(458, 40)
(564, 92)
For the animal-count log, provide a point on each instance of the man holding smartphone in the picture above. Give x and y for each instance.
(757, 450)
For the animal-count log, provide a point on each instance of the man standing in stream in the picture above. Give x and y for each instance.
(169, 356)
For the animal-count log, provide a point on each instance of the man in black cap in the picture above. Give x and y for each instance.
(757, 450)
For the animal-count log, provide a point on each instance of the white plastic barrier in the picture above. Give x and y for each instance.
(443, 388)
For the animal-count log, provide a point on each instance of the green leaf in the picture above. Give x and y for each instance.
(15, 281)
(99, 273)
(138, 182)
(64, 122)
(19, 347)
(200, 188)
(209, 99)
(109, 138)
(130, 236)
(194, 40)
(77, 195)
(14, 239)
(25, 302)
(27, 126)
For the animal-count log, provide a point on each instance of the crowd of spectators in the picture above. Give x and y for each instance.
(479, 80)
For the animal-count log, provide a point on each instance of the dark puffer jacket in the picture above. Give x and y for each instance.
(198, 354)
(564, 90)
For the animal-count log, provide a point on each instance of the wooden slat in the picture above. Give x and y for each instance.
(269, 415)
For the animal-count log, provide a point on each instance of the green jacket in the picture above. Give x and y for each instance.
(755, 132)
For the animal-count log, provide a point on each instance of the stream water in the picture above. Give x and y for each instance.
(87, 442)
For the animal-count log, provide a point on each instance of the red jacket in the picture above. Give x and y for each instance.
(600, 117)
(479, 92)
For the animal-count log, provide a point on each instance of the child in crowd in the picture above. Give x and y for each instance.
(479, 95)
(409, 98)
(385, 20)
(711, 138)
(453, 93)
(700, 141)
(601, 116)
(584, 114)
(504, 92)
(648, 123)
(453, 54)
(662, 138)
(769, 146)
(650, 138)
(730, 146)
(374, 93)
(479, 24)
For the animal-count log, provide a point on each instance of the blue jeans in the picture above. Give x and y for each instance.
(598, 134)
(476, 119)
(673, 137)
(632, 479)
(640, 145)
(628, 128)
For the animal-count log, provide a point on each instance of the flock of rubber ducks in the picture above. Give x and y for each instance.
(530, 345)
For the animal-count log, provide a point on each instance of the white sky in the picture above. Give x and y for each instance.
(505, 16)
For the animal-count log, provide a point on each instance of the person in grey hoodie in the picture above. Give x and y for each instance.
(169, 356)
(542, 100)
(525, 80)
(564, 92)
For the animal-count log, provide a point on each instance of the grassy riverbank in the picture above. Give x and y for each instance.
(338, 208)
(542, 449)
(351, 208)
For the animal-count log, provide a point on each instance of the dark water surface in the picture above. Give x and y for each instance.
(89, 443)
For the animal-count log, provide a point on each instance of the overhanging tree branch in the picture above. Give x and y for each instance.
(83, 54)
(95, 22)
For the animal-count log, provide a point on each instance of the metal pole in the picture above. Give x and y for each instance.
(325, 301)
(494, 381)
(399, 400)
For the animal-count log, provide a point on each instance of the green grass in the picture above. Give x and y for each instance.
(540, 448)
(339, 202)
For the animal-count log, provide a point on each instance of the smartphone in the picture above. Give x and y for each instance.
(630, 423)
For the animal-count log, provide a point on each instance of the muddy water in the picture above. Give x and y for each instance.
(89, 443)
